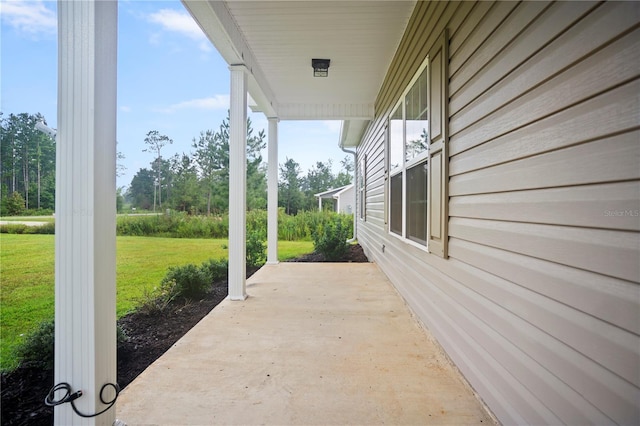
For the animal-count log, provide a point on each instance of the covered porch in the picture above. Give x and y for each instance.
(313, 344)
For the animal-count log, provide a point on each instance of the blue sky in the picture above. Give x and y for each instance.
(170, 79)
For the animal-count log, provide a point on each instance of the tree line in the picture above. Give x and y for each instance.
(27, 165)
(197, 182)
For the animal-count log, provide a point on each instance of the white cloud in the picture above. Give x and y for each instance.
(214, 102)
(125, 108)
(181, 23)
(30, 17)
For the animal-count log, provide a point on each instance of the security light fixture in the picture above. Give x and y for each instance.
(320, 67)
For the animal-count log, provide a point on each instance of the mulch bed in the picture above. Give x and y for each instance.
(355, 254)
(148, 337)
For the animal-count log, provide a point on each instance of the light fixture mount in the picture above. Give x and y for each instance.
(320, 67)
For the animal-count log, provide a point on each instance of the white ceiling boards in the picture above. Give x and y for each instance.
(277, 40)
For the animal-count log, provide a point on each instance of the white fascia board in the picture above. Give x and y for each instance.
(351, 132)
(253, 105)
(329, 193)
(210, 16)
(215, 20)
(263, 103)
(343, 190)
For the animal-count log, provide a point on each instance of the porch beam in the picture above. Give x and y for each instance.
(85, 240)
(237, 183)
(272, 195)
(326, 111)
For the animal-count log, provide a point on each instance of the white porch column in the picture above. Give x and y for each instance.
(85, 240)
(272, 196)
(237, 183)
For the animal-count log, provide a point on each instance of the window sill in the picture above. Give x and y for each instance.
(408, 241)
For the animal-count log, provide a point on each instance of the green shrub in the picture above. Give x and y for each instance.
(215, 270)
(17, 228)
(47, 228)
(330, 239)
(257, 223)
(15, 204)
(175, 225)
(155, 300)
(184, 282)
(37, 212)
(121, 335)
(37, 348)
(182, 225)
(256, 250)
(21, 228)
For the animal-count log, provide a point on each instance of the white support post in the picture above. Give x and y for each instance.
(319, 203)
(272, 207)
(237, 183)
(85, 240)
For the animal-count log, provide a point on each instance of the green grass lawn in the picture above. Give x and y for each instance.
(27, 276)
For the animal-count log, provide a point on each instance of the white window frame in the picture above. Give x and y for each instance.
(402, 169)
(362, 187)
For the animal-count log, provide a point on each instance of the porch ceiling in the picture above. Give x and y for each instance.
(276, 40)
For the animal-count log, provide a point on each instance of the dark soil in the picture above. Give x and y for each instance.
(148, 337)
(355, 254)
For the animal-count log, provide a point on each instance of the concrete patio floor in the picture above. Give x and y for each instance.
(313, 344)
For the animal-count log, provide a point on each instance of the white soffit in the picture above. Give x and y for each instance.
(276, 40)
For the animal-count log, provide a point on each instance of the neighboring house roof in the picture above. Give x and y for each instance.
(333, 193)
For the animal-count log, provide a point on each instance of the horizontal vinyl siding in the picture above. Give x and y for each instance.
(538, 303)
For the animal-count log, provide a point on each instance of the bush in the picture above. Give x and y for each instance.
(48, 228)
(175, 225)
(155, 300)
(184, 282)
(17, 228)
(182, 225)
(257, 223)
(21, 228)
(15, 204)
(37, 348)
(215, 270)
(38, 212)
(256, 251)
(330, 239)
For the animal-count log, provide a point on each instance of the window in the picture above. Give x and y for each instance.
(408, 162)
(362, 187)
(417, 170)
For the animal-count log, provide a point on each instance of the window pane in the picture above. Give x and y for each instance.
(416, 118)
(417, 203)
(396, 204)
(395, 139)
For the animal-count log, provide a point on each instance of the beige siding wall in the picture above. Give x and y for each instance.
(539, 301)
